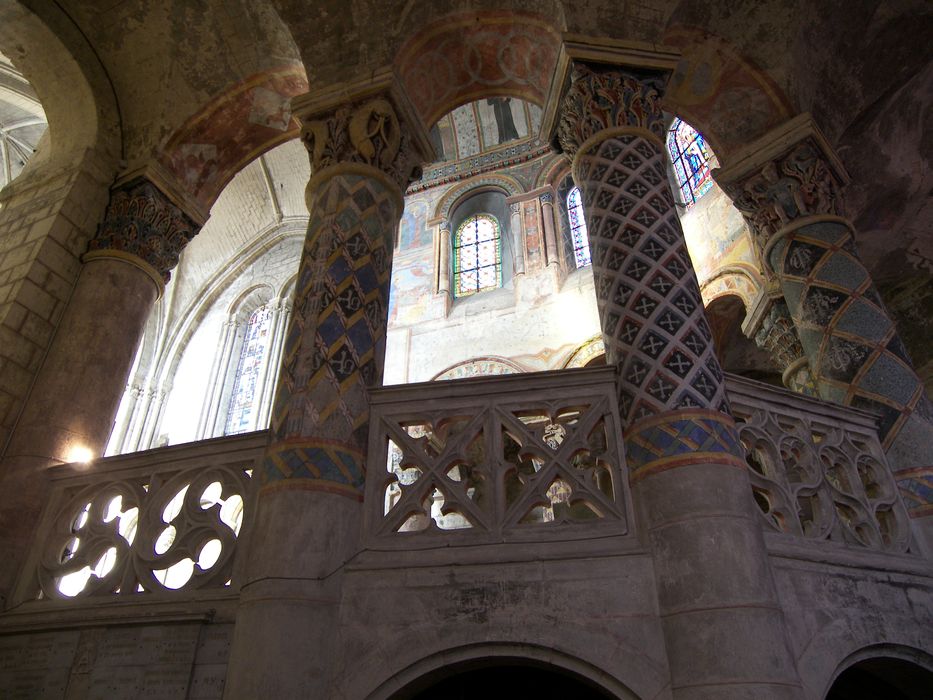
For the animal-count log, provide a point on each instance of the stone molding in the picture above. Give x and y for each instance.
(369, 123)
(601, 99)
(789, 174)
(143, 222)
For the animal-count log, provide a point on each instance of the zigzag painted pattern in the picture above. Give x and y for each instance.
(333, 350)
(680, 438)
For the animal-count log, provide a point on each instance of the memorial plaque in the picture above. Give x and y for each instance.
(207, 682)
(40, 650)
(143, 646)
(214, 647)
(34, 684)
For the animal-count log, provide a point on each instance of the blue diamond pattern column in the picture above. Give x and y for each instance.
(725, 636)
(788, 186)
(365, 147)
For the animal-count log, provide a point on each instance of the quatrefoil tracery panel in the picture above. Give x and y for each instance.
(821, 481)
(171, 531)
(497, 469)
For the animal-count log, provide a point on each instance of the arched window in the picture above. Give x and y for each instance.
(477, 255)
(581, 244)
(245, 398)
(690, 157)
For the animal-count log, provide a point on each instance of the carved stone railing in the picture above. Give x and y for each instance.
(817, 469)
(511, 458)
(156, 522)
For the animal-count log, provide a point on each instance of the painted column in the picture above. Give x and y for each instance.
(518, 237)
(443, 258)
(77, 391)
(788, 186)
(719, 611)
(363, 152)
(550, 238)
(777, 335)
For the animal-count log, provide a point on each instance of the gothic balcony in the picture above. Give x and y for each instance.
(457, 469)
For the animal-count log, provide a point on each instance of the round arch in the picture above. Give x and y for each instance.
(446, 205)
(876, 663)
(72, 85)
(465, 56)
(410, 680)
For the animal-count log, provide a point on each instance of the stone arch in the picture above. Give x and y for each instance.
(498, 652)
(465, 56)
(250, 299)
(231, 131)
(585, 353)
(920, 659)
(475, 185)
(554, 172)
(479, 367)
(741, 280)
(177, 341)
(720, 92)
(72, 85)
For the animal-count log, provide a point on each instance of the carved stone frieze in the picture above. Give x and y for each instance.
(796, 184)
(369, 132)
(606, 99)
(142, 221)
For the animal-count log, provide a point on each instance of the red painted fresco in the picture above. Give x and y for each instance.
(715, 86)
(465, 57)
(231, 130)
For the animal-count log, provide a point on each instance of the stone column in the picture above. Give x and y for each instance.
(550, 238)
(720, 615)
(777, 335)
(364, 152)
(518, 237)
(217, 378)
(788, 186)
(443, 258)
(77, 391)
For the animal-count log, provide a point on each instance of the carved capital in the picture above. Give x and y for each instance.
(368, 132)
(787, 175)
(141, 221)
(607, 99)
(547, 198)
(778, 337)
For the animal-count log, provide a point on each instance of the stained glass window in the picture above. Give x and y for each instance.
(477, 255)
(690, 157)
(244, 401)
(581, 244)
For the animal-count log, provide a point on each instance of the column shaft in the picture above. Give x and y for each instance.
(310, 502)
(77, 391)
(550, 237)
(788, 186)
(722, 621)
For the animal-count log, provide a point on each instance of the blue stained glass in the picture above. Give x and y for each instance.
(581, 245)
(690, 157)
(244, 401)
(477, 255)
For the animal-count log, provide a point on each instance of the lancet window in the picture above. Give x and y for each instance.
(578, 234)
(690, 157)
(244, 400)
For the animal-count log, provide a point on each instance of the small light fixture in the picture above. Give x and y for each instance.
(80, 453)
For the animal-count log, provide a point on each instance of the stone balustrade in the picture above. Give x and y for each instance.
(818, 470)
(156, 522)
(515, 458)
(508, 458)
